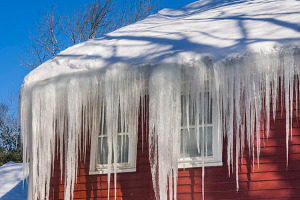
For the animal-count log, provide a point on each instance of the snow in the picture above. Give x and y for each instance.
(234, 51)
(217, 29)
(11, 182)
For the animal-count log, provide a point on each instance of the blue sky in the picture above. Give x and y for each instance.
(18, 20)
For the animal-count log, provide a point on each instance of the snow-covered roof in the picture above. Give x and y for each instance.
(11, 182)
(214, 28)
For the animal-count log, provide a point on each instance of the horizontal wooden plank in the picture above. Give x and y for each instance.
(88, 194)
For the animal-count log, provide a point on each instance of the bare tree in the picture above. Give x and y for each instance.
(142, 8)
(10, 140)
(97, 18)
(45, 44)
(86, 24)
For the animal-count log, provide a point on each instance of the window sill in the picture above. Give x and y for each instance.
(119, 170)
(194, 164)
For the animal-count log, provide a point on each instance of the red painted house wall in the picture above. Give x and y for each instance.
(270, 180)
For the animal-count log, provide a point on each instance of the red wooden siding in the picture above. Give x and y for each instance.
(270, 180)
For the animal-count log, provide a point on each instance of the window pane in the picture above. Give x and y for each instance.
(121, 125)
(187, 112)
(103, 123)
(123, 150)
(188, 146)
(207, 110)
(103, 150)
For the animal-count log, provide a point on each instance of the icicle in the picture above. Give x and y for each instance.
(164, 121)
(237, 128)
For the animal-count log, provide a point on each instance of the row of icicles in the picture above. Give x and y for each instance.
(57, 114)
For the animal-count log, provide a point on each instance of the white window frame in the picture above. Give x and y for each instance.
(216, 158)
(130, 166)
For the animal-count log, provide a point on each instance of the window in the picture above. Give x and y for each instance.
(196, 138)
(126, 147)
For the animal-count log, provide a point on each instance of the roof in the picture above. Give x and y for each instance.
(218, 29)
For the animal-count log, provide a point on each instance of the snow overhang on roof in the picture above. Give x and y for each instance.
(218, 29)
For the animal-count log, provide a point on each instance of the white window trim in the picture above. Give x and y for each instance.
(216, 159)
(120, 167)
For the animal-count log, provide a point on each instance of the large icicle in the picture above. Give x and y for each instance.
(124, 90)
(164, 124)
